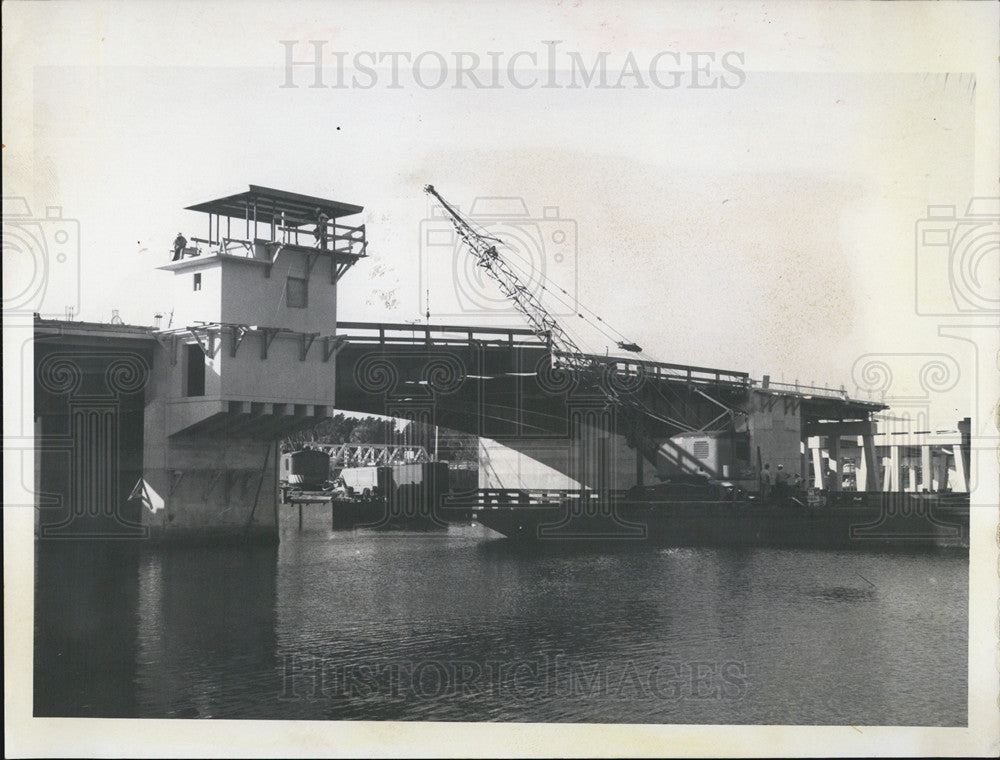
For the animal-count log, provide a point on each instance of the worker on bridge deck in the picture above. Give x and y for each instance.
(781, 483)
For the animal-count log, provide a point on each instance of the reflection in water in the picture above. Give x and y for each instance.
(206, 630)
(85, 662)
(457, 627)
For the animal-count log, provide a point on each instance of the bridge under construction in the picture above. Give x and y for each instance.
(174, 433)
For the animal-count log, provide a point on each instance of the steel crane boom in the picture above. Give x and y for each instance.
(565, 351)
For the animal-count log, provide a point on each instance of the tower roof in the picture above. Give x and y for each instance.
(266, 205)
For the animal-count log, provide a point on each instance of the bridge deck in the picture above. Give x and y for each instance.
(392, 334)
(384, 333)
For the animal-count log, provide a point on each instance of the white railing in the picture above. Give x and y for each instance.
(802, 389)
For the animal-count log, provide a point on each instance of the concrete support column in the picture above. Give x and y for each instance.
(817, 457)
(871, 463)
(861, 473)
(961, 478)
(212, 488)
(836, 479)
(942, 470)
(894, 469)
(925, 468)
(593, 460)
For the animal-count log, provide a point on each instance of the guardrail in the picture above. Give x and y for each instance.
(667, 371)
(802, 389)
(369, 333)
(338, 239)
(379, 333)
(496, 498)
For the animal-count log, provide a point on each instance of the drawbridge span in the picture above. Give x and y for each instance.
(501, 384)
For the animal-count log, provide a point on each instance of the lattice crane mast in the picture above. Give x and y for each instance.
(566, 353)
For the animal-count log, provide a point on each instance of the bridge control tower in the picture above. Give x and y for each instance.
(249, 357)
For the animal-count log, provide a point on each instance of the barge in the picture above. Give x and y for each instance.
(684, 513)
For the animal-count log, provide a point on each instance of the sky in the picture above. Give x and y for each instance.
(766, 224)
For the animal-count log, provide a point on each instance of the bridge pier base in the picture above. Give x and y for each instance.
(212, 490)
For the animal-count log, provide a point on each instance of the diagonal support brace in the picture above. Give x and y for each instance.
(305, 342)
(332, 344)
(266, 336)
(237, 333)
(206, 339)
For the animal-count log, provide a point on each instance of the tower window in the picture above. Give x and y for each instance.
(297, 293)
(197, 281)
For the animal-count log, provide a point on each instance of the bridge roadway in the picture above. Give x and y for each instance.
(496, 383)
(500, 383)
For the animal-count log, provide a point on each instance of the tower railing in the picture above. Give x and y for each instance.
(339, 239)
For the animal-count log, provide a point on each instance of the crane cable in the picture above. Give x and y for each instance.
(541, 285)
(576, 306)
(624, 343)
(624, 339)
(632, 402)
(553, 286)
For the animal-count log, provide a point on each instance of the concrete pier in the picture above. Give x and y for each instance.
(251, 362)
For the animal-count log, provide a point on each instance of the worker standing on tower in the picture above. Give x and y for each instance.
(180, 243)
(321, 222)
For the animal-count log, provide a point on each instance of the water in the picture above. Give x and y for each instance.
(460, 627)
